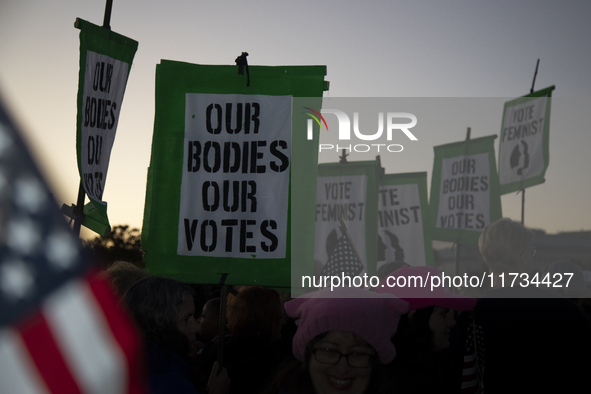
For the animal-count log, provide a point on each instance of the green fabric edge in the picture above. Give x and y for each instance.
(92, 220)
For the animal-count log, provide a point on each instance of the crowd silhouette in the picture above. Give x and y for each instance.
(352, 340)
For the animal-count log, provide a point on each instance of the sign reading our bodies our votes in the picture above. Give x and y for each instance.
(104, 84)
(232, 174)
(235, 182)
(524, 142)
(464, 190)
(403, 235)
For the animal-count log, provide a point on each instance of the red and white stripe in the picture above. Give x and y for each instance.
(470, 374)
(78, 341)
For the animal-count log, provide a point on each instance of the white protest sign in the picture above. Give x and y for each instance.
(339, 197)
(235, 177)
(521, 144)
(400, 225)
(464, 196)
(104, 85)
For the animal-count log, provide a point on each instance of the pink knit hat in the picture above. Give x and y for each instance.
(423, 296)
(373, 317)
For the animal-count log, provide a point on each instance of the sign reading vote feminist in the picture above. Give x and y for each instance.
(235, 180)
(403, 235)
(349, 192)
(523, 149)
(339, 197)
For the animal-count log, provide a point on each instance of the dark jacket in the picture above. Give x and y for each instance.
(168, 372)
(532, 344)
(251, 365)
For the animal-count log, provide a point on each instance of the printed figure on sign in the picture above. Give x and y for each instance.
(520, 159)
(394, 243)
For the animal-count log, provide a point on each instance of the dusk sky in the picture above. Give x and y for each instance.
(430, 49)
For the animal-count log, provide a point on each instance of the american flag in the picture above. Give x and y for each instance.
(61, 328)
(343, 260)
(473, 369)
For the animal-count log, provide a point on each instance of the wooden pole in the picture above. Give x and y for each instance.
(107, 19)
(523, 207)
(458, 245)
(222, 329)
(535, 75)
(523, 189)
(79, 210)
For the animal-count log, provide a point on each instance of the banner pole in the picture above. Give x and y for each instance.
(535, 75)
(523, 207)
(107, 18)
(79, 210)
(523, 190)
(222, 328)
(458, 245)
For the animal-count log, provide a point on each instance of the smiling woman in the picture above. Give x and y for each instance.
(341, 343)
(341, 361)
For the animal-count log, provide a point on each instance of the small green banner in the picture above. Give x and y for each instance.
(464, 190)
(105, 62)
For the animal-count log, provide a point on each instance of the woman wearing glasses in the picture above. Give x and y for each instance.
(342, 342)
(341, 360)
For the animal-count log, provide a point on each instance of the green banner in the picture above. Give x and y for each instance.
(464, 190)
(232, 174)
(403, 225)
(105, 62)
(524, 143)
(347, 191)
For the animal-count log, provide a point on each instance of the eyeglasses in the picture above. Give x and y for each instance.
(332, 357)
(532, 250)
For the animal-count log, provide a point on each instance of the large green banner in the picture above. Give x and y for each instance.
(524, 146)
(105, 62)
(347, 192)
(403, 225)
(464, 190)
(232, 173)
